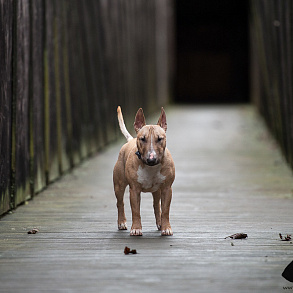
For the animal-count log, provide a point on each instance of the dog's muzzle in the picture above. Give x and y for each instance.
(151, 161)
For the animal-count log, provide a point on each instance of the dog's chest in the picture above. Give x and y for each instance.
(150, 177)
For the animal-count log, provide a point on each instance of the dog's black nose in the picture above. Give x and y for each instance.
(151, 162)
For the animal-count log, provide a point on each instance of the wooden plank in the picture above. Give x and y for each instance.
(6, 20)
(20, 127)
(37, 141)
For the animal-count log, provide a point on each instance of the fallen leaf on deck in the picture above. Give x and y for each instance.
(237, 236)
(127, 250)
(33, 231)
(285, 238)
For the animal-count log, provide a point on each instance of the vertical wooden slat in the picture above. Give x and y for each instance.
(133, 102)
(286, 75)
(67, 93)
(51, 125)
(162, 46)
(74, 81)
(100, 67)
(138, 96)
(6, 20)
(131, 60)
(121, 44)
(85, 96)
(87, 57)
(289, 64)
(126, 66)
(107, 56)
(37, 141)
(20, 127)
(90, 55)
(114, 66)
(79, 86)
(63, 118)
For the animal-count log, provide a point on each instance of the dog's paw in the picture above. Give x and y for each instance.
(167, 232)
(122, 226)
(136, 232)
(159, 227)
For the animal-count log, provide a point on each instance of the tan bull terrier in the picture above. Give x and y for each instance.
(146, 165)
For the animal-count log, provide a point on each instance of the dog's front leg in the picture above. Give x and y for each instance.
(136, 228)
(157, 207)
(166, 197)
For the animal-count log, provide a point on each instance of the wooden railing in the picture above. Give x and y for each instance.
(65, 66)
(271, 42)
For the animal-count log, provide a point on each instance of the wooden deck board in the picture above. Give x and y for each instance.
(230, 178)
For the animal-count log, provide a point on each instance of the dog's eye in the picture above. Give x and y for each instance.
(143, 139)
(160, 138)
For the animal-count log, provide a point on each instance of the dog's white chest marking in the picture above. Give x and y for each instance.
(150, 177)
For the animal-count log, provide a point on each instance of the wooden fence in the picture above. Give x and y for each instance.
(271, 27)
(65, 65)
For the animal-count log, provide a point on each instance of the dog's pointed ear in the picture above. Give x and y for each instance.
(162, 120)
(139, 121)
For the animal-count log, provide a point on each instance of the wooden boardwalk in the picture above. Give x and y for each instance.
(230, 178)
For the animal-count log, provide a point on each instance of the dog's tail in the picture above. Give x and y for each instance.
(122, 125)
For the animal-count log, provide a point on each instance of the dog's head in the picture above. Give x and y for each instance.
(151, 139)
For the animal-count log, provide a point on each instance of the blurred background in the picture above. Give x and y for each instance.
(212, 51)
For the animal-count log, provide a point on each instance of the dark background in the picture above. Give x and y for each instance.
(212, 51)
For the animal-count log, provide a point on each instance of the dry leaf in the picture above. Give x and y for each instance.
(127, 250)
(33, 231)
(237, 236)
(285, 238)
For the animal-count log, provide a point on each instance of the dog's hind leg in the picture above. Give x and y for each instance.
(119, 192)
(157, 207)
(119, 189)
